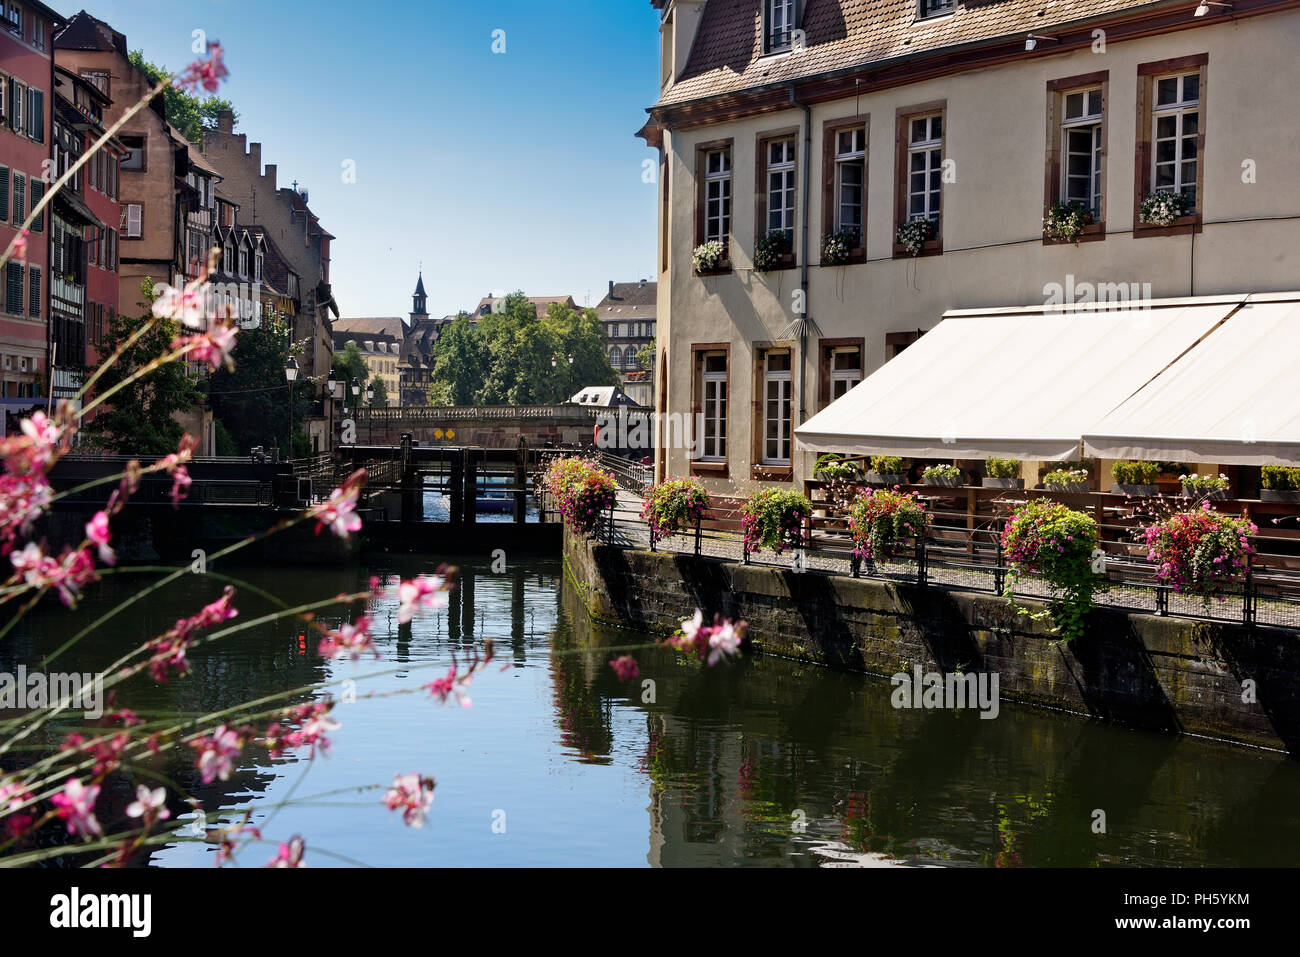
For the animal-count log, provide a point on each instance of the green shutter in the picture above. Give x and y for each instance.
(20, 199)
(34, 297)
(38, 193)
(4, 194)
(36, 116)
(13, 102)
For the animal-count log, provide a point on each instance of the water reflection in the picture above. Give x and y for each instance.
(760, 763)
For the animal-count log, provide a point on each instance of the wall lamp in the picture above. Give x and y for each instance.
(1031, 41)
(1204, 7)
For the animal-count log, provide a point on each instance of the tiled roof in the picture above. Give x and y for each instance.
(841, 34)
(540, 303)
(629, 300)
(85, 32)
(392, 326)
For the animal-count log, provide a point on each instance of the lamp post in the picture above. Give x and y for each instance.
(370, 411)
(290, 376)
(356, 391)
(570, 389)
(334, 386)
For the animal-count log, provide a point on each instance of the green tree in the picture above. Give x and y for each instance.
(141, 420)
(459, 363)
(252, 402)
(348, 365)
(381, 393)
(190, 114)
(645, 356)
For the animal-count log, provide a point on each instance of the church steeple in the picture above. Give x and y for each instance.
(419, 302)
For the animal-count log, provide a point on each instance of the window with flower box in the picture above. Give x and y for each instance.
(919, 172)
(1076, 148)
(713, 177)
(1171, 139)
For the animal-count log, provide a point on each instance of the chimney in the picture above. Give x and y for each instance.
(611, 289)
(226, 122)
(270, 175)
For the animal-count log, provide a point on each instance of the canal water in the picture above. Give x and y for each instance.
(762, 762)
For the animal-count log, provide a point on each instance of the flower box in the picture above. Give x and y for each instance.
(942, 481)
(1279, 495)
(1135, 490)
(1070, 488)
(719, 270)
(888, 479)
(1213, 494)
(988, 482)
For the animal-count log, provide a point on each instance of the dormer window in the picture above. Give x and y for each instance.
(936, 8)
(257, 267)
(243, 262)
(779, 23)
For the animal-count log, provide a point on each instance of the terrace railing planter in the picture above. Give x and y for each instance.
(1069, 487)
(887, 479)
(1136, 490)
(1279, 495)
(944, 481)
(1212, 494)
(989, 482)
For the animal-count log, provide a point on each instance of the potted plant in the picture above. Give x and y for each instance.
(584, 493)
(1065, 221)
(1067, 480)
(883, 522)
(915, 233)
(836, 468)
(710, 256)
(1280, 484)
(774, 519)
(886, 470)
(837, 247)
(674, 506)
(1204, 486)
(948, 475)
(772, 251)
(1002, 473)
(1052, 540)
(1163, 208)
(1135, 478)
(1201, 552)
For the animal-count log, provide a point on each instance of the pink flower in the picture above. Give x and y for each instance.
(185, 305)
(626, 668)
(98, 534)
(205, 73)
(290, 854)
(23, 499)
(352, 640)
(68, 574)
(76, 805)
(217, 754)
(149, 804)
(725, 642)
(413, 794)
(427, 590)
(442, 688)
(215, 347)
(35, 449)
(338, 512)
(20, 247)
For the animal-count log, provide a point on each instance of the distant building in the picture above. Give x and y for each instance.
(604, 397)
(417, 349)
(379, 340)
(627, 314)
(490, 304)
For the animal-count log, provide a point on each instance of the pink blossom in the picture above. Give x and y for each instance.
(442, 688)
(149, 804)
(20, 247)
(215, 347)
(23, 499)
(427, 590)
(413, 794)
(76, 805)
(205, 73)
(217, 754)
(710, 643)
(338, 512)
(68, 574)
(290, 854)
(725, 642)
(353, 640)
(185, 305)
(34, 450)
(626, 668)
(98, 534)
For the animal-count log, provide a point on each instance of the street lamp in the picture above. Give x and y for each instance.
(370, 411)
(290, 376)
(334, 386)
(570, 389)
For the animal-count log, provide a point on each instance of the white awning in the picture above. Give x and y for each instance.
(1233, 400)
(1019, 383)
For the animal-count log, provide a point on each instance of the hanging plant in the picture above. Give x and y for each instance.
(1201, 553)
(674, 506)
(774, 519)
(915, 233)
(1066, 221)
(837, 247)
(1049, 539)
(884, 522)
(584, 493)
(1163, 208)
(769, 250)
(710, 256)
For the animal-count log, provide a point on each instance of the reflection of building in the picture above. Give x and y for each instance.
(857, 118)
(379, 340)
(628, 317)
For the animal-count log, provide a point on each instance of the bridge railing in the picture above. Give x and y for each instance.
(451, 413)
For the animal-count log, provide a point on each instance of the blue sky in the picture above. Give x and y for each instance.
(497, 171)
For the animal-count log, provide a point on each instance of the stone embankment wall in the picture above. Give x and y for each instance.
(1178, 675)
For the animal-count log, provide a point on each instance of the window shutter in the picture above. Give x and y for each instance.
(134, 213)
(4, 194)
(38, 193)
(20, 198)
(13, 102)
(34, 295)
(14, 288)
(36, 116)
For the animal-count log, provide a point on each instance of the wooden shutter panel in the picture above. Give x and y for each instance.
(34, 296)
(38, 193)
(36, 115)
(4, 194)
(20, 199)
(134, 214)
(13, 101)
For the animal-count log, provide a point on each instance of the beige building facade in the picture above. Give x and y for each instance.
(821, 117)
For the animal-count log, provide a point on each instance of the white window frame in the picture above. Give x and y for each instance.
(130, 230)
(243, 262)
(781, 190)
(842, 380)
(257, 266)
(20, 108)
(782, 381)
(714, 400)
(930, 148)
(14, 19)
(1087, 120)
(779, 15)
(717, 187)
(1179, 110)
(935, 8)
(855, 155)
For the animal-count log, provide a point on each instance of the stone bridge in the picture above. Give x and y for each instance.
(486, 427)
